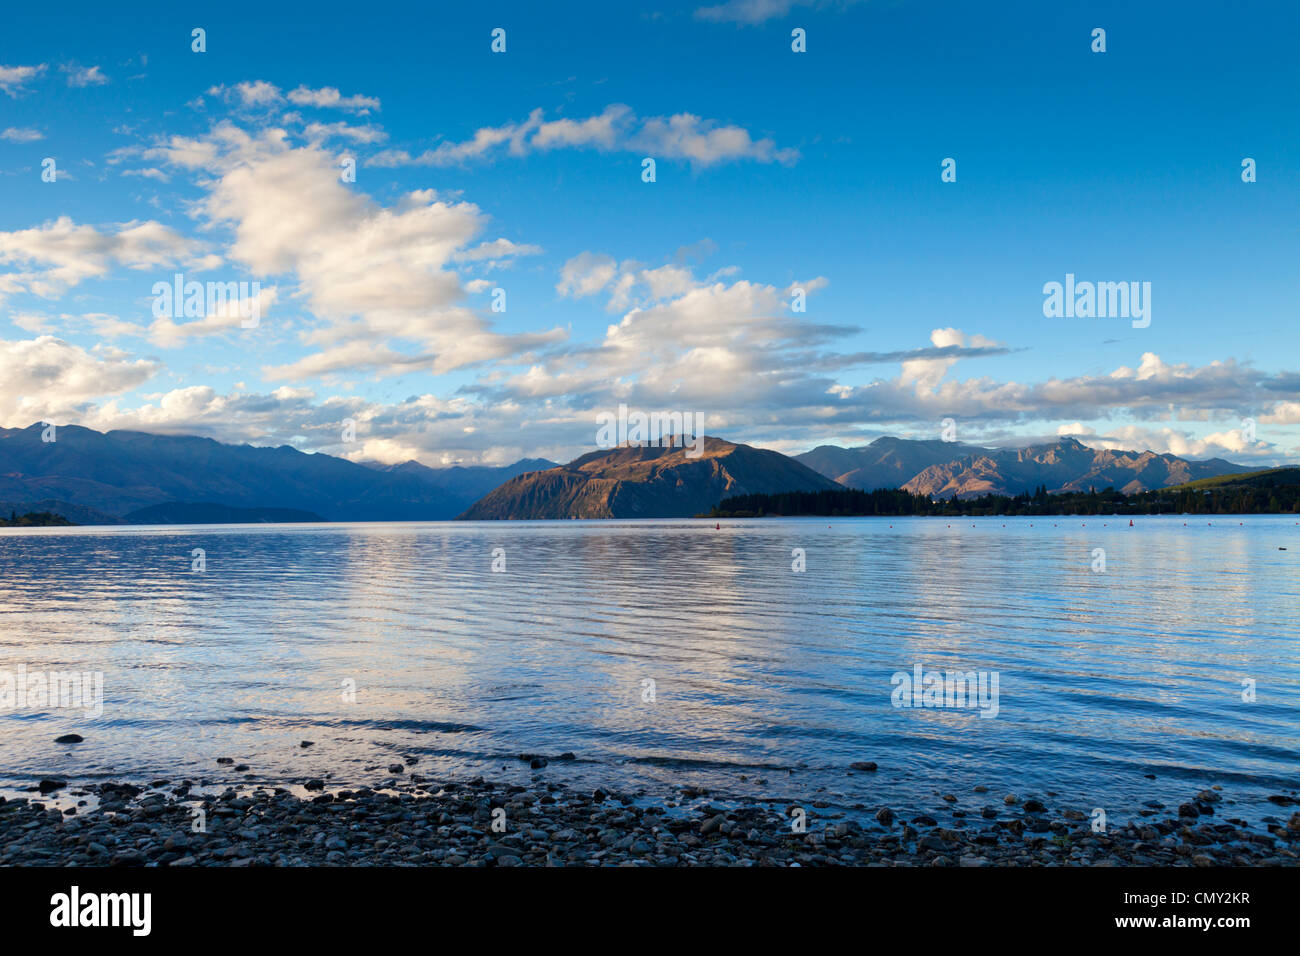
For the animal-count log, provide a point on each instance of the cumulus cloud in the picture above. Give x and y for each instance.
(1180, 442)
(586, 274)
(387, 288)
(373, 274)
(47, 379)
(59, 254)
(14, 78)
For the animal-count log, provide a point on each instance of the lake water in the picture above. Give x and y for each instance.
(766, 681)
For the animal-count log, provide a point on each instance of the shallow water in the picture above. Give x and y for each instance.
(759, 672)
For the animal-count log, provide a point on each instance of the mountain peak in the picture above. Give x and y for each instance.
(647, 481)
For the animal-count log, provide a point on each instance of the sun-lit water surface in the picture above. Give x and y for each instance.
(761, 673)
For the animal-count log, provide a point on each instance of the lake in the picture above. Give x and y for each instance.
(663, 654)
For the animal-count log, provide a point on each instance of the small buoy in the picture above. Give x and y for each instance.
(717, 527)
(1130, 522)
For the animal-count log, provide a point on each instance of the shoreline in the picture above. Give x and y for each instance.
(484, 823)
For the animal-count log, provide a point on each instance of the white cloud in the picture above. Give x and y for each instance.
(586, 274)
(148, 173)
(754, 12)
(364, 135)
(254, 94)
(370, 273)
(84, 76)
(169, 334)
(14, 78)
(1282, 413)
(1171, 441)
(386, 451)
(47, 379)
(684, 136)
(60, 254)
(926, 372)
(101, 324)
(497, 249)
(16, 135)
(262, 94)
(704, 143)
(330, 98)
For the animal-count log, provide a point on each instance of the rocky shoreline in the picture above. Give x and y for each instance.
(416, 822)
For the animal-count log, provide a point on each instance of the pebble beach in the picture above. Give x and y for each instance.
(413, 821)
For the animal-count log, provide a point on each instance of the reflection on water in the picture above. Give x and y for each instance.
(759, 672)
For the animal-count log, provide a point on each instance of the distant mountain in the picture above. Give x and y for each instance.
(885, 463)
(91, 477)
(1064, 465)
(647, 482)
(207, 513)
(120, 472)
(460, 485)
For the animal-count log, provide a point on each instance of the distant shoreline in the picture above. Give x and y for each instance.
(1266, 493)
(695, 519)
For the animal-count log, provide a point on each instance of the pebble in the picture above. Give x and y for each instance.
(450, 824)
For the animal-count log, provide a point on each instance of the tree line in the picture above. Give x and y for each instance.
(895, 502)
(33, 519)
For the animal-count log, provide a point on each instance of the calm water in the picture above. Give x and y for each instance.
(782, 678)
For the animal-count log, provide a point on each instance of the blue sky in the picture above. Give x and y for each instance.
(775, 170)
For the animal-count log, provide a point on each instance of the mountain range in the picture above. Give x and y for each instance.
(950, 469)
(121, 473)
(132, 477)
